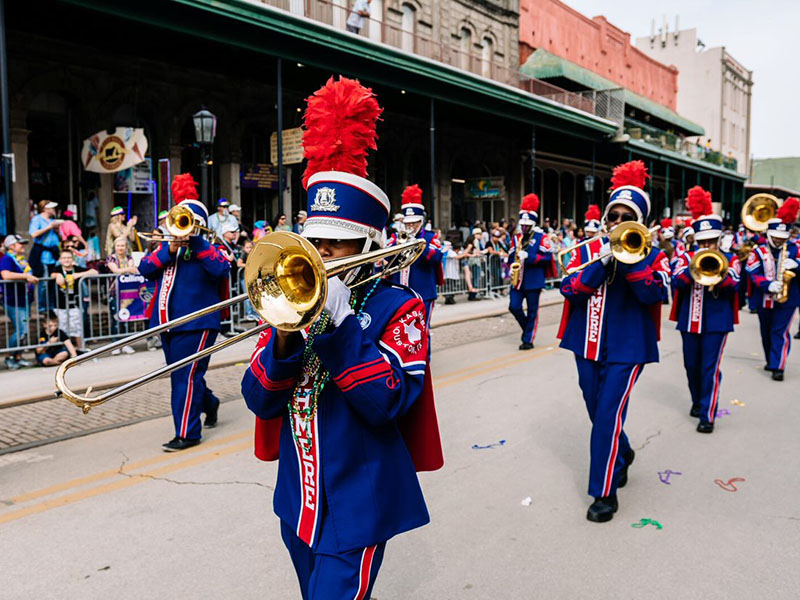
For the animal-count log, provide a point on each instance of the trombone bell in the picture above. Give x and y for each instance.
(758, 210)
(180, 221)
(708, 267)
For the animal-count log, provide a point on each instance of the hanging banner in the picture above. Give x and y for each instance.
(135, 293)
(111, 152)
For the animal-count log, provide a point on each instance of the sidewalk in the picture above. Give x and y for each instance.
(36, 383)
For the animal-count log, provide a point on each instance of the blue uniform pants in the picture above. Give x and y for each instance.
(190, 394)
(776, 337)
(529, 321)
(606, 388)
(702, 357)
(324, 576)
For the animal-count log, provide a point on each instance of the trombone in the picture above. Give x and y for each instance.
(180, 222)
(708, 267)
(287, 283)
(630, 243)
(758, 210)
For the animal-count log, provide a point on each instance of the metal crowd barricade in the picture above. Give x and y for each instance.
(489, 276)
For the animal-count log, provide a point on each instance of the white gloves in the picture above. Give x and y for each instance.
(523, 255)
(790, 264)
(337, 305)
(605, 252)
(775, 287)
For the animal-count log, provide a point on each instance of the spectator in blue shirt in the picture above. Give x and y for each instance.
(44, 254)
(18, 281)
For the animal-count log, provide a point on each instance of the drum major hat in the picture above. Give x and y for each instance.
(627, 188)
(184, 191)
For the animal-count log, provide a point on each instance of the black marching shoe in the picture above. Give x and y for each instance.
(777, 375)
(602, 509)
(211, 418)
(525, 346)
(178, 443)
(623, 473)
(797, 335)
(705, 427)
(768, 368)
(695, 412)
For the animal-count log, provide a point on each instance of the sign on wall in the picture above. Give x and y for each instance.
(292, 146)
(259, 176)
(111, 152)
(137, 179)
(485, 188)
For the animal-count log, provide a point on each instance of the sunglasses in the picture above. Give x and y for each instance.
(615, 216)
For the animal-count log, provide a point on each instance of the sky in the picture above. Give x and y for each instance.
(763, 36)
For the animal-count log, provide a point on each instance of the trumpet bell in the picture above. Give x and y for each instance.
(180, 221)
(708, 267)
(286, 281)
(630, 242)
(758, 210)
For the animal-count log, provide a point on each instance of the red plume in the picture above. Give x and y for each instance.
(666, 222)
(530, 203)
(593, 214)
(411, 195)
(698, 202)
(688, 222)
(788, 210)
(340, 128)
(631, 173)
(184, 187)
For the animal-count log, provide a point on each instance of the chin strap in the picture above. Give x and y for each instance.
(353, 274)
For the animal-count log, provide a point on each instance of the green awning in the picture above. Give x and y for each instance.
(546, 65)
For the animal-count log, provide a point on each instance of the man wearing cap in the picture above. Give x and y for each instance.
(531, 256)
(117, 228)
(763, 266)
(336, 402)
(188, 273)
(18, 286)
(426, 272)
(300, 222)
(611, 322)
(44, 253)
(705, 315)
(221, 218)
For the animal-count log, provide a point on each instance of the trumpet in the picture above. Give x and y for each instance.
(287, 284)
(630, 243)
(758, 210)
(708, 267)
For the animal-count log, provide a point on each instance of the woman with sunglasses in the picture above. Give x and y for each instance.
(611, 321)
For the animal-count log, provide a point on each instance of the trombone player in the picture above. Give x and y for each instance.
(705, 283)
(611, 321)
(772, 268)
(188, 271)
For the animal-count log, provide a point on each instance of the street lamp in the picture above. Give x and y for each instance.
(205, 130)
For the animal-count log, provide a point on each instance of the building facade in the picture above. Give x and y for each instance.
(715, 90)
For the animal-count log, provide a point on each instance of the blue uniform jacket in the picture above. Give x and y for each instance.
(423, 273)
(538, 264)
(184, 285)
(762, 266)
(612, 313)
(698, 309)
(359, 472)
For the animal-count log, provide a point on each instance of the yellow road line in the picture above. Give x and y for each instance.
(119, 484)
(133, 479)
(54, 489)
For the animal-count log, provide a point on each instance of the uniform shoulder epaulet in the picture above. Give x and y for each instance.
(400, 289)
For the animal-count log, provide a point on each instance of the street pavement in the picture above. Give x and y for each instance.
(110, 515)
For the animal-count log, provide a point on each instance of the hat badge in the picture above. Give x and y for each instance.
(409, 211)
(325, 200)
(705, 225)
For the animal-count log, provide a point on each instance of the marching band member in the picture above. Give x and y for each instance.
(532, 255)
(424, 274)
(763, 266)
(188, 274)
(705, 314)
(591, 221)
(360, 418)
(611, 321)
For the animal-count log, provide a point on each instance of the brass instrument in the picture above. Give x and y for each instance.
(758, 210)
(708, 267)
(180, 222)
(783, 275)
(515, 270)
(630, 243)
(745, 249)
(287, 283)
